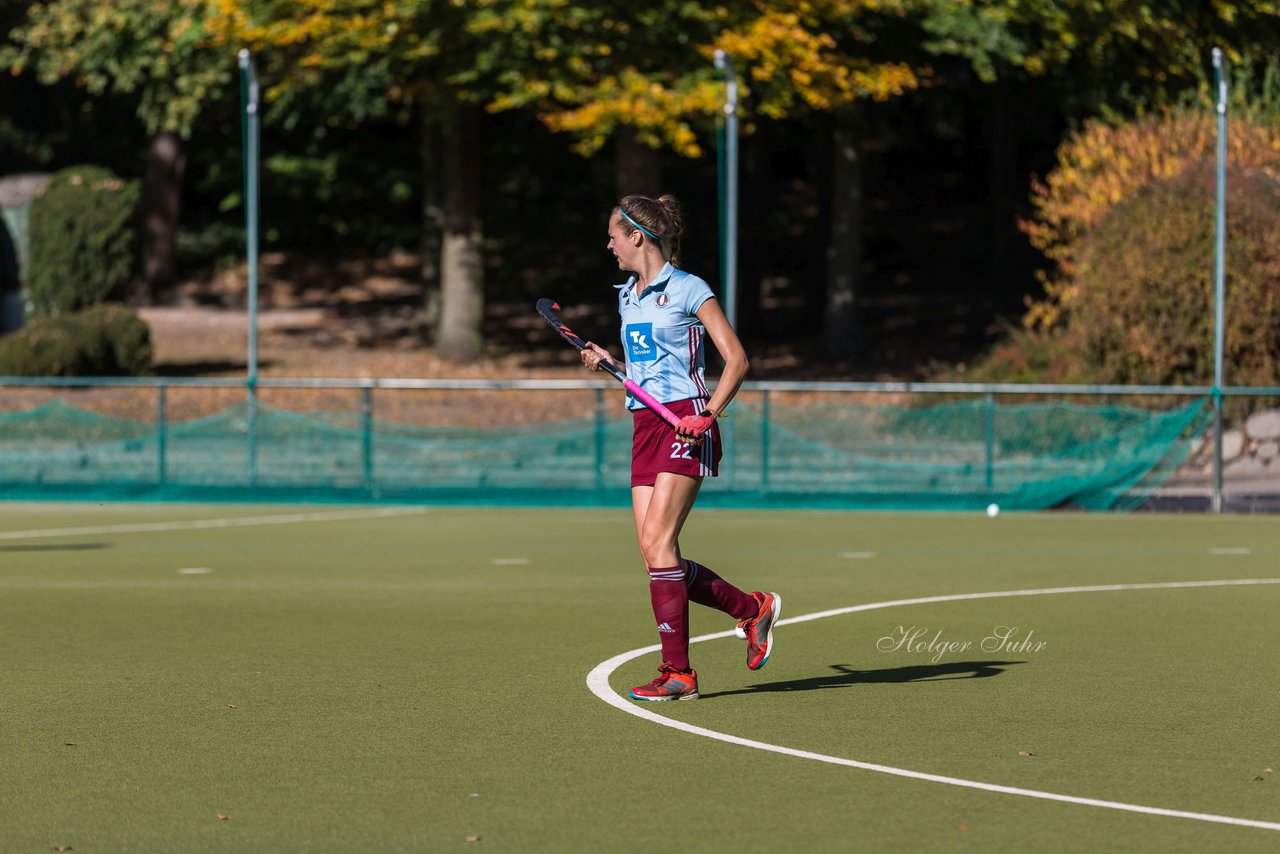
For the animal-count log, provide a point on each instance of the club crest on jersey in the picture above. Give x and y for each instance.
(663, 299)
(640, 344)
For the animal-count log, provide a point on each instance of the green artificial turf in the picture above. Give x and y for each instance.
(410, 682)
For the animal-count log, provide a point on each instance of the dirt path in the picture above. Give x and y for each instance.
(318, 342)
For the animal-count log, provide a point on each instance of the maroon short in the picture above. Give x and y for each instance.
(655, 448)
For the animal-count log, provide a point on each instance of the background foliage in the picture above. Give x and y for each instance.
(1144, 308)
(105, 340)
(913, 129)
(1105, 164)
(83, 240)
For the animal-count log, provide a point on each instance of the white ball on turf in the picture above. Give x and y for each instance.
(993, 510)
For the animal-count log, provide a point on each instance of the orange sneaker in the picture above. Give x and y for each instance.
(671, 684)
(759, 630)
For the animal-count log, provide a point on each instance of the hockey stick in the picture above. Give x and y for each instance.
(548, 308)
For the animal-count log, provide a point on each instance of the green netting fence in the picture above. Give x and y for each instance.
(569, 443)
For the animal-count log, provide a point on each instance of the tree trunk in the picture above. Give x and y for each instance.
(842, 334)
(166, 163)
(639, 167)
(429, 145)
(461, 267)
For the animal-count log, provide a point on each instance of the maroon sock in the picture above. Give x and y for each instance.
(707, 588)
(671, 611)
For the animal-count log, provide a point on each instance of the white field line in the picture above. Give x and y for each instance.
(197, 524)
(598, 682)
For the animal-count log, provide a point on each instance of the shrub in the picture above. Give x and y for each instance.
(105, 340)
(1103, 164)
(1144, 308)
(83, 248)
(129, 338)
(1026, 356)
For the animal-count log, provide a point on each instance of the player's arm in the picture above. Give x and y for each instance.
(730, 350)
(735, 370)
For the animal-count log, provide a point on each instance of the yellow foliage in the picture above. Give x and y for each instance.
(794, 45)
(793, 56)
(371, 25)
(788, 55)
(639, 101)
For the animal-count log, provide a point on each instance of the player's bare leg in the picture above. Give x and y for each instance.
(660, 512)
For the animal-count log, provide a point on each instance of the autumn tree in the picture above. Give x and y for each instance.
(635, 75)
(1103, 164)
(1105, 62)
(401, 59)
(829, 58)
(1112, 57)
(158, 53)
(646, 73)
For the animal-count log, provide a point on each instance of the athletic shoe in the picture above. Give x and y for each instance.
(671, 684)
(760, 630)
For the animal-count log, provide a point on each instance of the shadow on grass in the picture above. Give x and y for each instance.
(207, 366)
(845, 676)
(56, 547)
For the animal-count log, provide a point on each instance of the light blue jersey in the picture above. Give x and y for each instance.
(662, 336)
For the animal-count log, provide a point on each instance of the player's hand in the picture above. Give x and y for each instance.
(692, 427)
(594, 355)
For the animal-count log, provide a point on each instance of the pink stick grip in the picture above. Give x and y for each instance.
(650, 401)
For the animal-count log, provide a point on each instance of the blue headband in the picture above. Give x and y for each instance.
(638, 225)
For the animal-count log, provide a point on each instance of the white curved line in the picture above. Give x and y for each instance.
(598, 682)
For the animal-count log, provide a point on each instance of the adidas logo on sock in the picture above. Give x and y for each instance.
(666, 628)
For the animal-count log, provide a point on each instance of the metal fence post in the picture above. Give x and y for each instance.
(1219, 271)
(162, 434)
(989, 436)
(366, 435)
(599, 438)
(251, 432)
(250, 131)
(1215, 498)
(764, 440)
(727, 160)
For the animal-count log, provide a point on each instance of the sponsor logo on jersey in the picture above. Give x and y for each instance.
(640, 343)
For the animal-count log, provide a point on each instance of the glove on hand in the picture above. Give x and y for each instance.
(692, 427)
